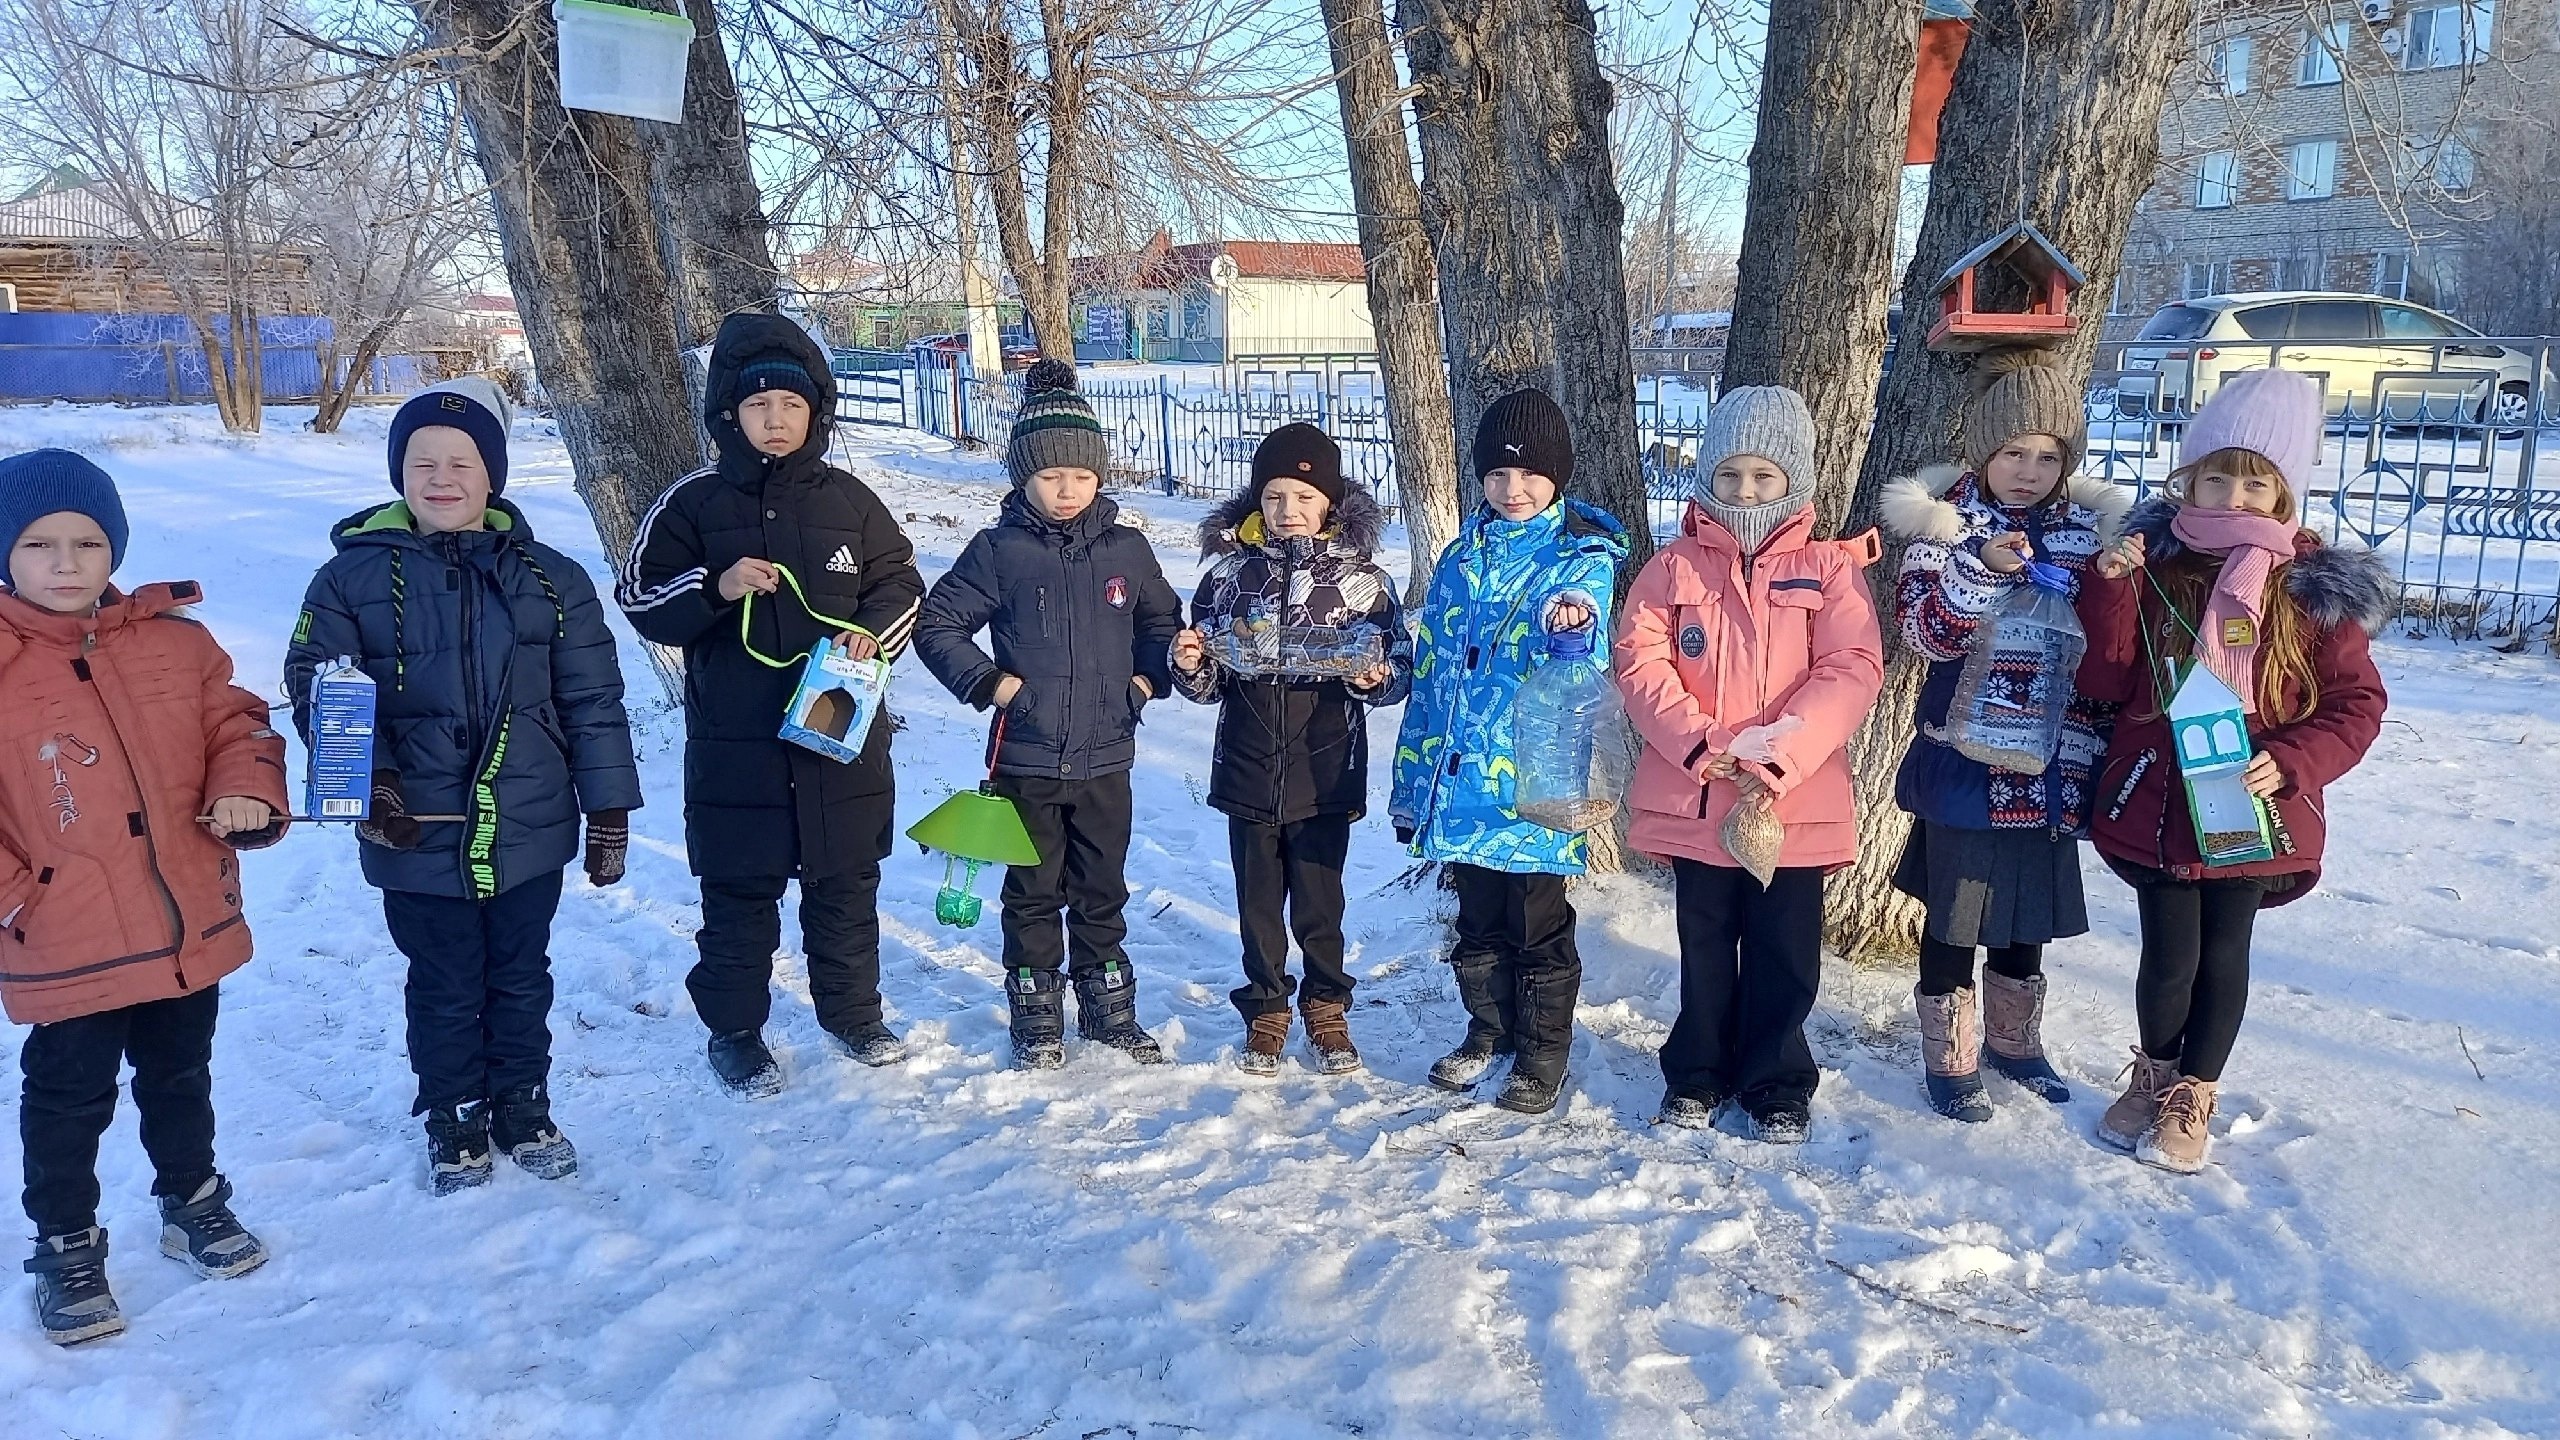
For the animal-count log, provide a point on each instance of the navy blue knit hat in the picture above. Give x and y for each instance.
(777, 371)
(471, 405)
(47, 482)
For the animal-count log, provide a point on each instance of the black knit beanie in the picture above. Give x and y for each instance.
(1525, 428)
(1299, 452)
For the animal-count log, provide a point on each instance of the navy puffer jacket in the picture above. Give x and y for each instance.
(494, 664)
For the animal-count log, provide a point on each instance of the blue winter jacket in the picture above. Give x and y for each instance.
(1480, 631)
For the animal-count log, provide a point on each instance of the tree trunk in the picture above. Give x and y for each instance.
(1817, 240)
(1520, 198)
(334, 404)
(2096, 73)
(711, 222)
(1403, 310)
(1043, 281)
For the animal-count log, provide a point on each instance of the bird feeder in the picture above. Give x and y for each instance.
(2210, 732)
(1942, 40)
(2030, 260)
(622, 60)
(972, 829)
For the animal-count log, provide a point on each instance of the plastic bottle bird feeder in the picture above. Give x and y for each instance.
(972, 829)
(620, 60)
(2029, 259)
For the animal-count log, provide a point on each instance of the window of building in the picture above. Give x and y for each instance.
(2218, 181)
(2313, 174)
(2457, 169)
(2229, 63)
(2207, 277)
(2324, 49)
(1195, 317)
(2115, 297)
(2443, 36)
(2300, 272)
(2391, 275)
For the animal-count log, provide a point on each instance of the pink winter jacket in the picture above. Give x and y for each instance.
(1709, 647)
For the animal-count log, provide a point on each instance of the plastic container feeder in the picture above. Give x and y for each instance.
(622, 61)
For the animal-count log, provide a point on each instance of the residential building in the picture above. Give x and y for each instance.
(65, 246)
(1222, 300)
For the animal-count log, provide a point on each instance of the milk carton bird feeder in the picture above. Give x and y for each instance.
(2210, 733)
(2029, 260)
(622, 60)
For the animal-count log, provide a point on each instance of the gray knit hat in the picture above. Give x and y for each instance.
(1054, 426)
(2019, 394)
(1769, 421)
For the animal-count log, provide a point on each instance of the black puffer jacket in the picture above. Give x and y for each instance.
(492, 658)
(1289, 750)
(754, 804)
(1076, 611)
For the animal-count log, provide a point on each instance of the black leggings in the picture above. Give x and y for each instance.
(2194, 981)
(1946, 969)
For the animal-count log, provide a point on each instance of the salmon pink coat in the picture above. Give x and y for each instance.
(1710, 646)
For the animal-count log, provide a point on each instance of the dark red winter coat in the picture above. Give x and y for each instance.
(2140, 806)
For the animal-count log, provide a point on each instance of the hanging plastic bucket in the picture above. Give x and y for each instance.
(622, 61)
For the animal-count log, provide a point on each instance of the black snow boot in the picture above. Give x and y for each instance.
(1779, 1122)
(1485, 989)
(1688, 1109)
(1107, 1010)
(1039, 1006)
(1544, 1011)
(202, 1231)
(73, 1302)
(870, 1041)
(520, 1124)
(744, 1065)
(458, 1146)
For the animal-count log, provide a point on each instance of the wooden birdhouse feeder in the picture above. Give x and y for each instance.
(2038, 264)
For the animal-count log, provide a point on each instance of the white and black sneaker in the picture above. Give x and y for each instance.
(458, 1147)
(520, 1124)
(202, 1231)
(73, 1302)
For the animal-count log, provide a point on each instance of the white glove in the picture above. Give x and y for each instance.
(1759, 744)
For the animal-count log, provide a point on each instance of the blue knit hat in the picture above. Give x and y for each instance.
(47, 482)
(471, 405)
(777, 371)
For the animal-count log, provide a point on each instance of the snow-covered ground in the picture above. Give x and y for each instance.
(953, 1249)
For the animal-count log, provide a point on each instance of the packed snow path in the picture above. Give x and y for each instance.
(950, 1248)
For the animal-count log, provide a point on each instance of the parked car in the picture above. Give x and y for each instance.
(1019, 353)
(2353, 343)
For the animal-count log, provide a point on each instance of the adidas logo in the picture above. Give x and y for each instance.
(843, 563)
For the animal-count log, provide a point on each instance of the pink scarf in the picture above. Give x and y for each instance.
(2234, 622)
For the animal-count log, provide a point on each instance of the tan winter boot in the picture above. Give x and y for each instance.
(2129, 1119)
(1265, 1037)
(1950, 1053)
(1329, 1030)
(2182, 1133)
(2013, 1033)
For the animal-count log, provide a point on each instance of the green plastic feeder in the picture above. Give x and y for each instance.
(975, 829)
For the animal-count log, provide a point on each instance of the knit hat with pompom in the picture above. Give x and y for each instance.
(2017, 392)
(1054, 426)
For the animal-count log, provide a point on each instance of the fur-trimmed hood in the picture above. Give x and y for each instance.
(1359, 522)
(2332, 584)
(1925, 507)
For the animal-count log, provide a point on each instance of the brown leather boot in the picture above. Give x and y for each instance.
(2182, 1133)
(1265, 1037)
(2129, 1119)
(1329, 1031)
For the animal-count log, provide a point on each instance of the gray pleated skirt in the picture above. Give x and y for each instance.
(1994, 888)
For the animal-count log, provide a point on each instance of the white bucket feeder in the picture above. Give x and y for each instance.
(622, 61)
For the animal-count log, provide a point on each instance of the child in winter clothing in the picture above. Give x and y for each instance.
(1528, 563)
(1081, 619)
(499, 700)
(2219, 572)
(745, 566)
(1749, 655)
(119, 889)
(1993, 852)
(1291, 770)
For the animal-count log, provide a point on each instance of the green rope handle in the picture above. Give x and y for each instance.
(2160, 671)
(746, 618)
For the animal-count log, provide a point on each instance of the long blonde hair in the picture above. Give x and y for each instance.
(2288, 680)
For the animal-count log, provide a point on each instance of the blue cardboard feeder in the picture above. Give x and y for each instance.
(339, 785)
(837, 700)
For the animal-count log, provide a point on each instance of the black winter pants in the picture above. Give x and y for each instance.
(1081, 829)
(732, 983)
(1299, 866)
(1750, 965)
(479, 989)
(2193, 985)
(69, 1097)
(1946, 969)
(1524, 920)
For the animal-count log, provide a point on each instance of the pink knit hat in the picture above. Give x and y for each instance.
(2271, 413)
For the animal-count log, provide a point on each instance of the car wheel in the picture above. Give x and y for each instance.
(2511, 411)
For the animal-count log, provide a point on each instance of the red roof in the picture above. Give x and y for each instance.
(1163, 265)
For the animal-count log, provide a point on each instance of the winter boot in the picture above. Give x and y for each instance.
(1266, 1037)
(1688, 1109)
(872, 1042)
(202, 1231)
(1780, 1122)
(520, 1124)
(1107, 1010)
(2129, 1119)
(1039, 1010)
(1544, 1039)
(73, 1302)
(1329, 1031)
(1949, 1051)
(458, 1146)
(744, 1065)
(2182, 1133)
(2013, 1034)
(1485, 989)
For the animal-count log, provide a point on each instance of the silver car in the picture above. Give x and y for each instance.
(2372, 354)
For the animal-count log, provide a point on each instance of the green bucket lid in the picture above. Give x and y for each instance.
(977, 825)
